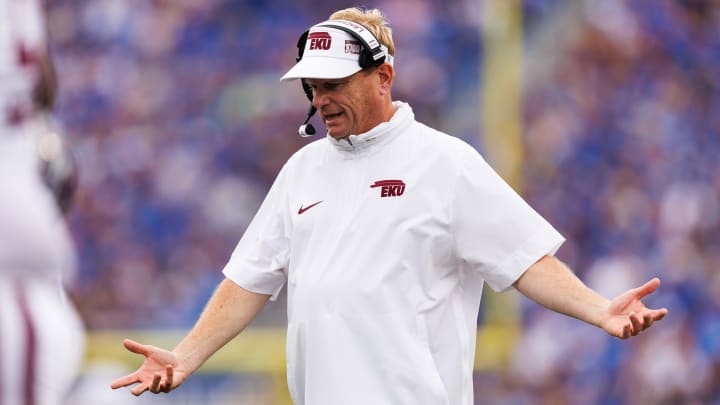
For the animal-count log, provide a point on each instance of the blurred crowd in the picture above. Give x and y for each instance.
(179, 124)
(622, 139)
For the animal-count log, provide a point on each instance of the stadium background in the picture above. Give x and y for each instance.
(604, 114)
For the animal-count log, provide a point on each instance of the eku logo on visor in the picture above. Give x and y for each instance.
(319, 40)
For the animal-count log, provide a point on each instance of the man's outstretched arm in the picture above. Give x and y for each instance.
(228, 312)
(551, 284)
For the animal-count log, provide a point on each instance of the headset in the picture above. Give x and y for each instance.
(373, 54)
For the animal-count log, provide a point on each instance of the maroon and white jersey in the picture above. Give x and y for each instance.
(22, 41)
(33, 238)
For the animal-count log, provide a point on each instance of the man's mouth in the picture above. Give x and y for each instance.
(330, 117)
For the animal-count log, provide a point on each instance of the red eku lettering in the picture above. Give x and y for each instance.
(319, 40)
(390, 188)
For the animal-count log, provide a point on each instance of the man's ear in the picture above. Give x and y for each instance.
(386, 74)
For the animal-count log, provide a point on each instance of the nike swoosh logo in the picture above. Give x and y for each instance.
(303, 209)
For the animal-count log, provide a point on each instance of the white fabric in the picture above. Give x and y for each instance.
(37, 320)
(330, 53)
(384, 291)
(34, 239)
(36, 258)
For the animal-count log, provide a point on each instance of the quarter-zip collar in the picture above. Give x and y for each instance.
(375, 138)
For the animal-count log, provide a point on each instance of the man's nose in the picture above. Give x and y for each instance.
(320, 99)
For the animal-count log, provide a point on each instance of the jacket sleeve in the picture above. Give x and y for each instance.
(495, 231)
(260, 259)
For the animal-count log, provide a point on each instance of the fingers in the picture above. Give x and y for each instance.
(144, 386)
(155, 384)
(650, 317)
(124, 381)
(169, 372)
(640, 319)
(648, 288)
(639, 323)
(625, 332)
(158, 386)
(139, 389)
(659, 314)
(136, 347)
(648, 320)
(636, 323)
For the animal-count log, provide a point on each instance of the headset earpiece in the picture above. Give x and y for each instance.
(307, 89)
(301, 45)
(365, 59)
(301, 49)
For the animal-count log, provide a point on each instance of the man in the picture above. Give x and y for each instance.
(41, 334)
(384, 232)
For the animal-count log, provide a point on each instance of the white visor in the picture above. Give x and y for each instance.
(329, 53)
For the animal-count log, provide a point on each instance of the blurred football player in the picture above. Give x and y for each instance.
(41, 334)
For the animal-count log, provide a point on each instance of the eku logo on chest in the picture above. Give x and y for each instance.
(390, 188)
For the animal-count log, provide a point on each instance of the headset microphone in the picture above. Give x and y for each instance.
(306, 129)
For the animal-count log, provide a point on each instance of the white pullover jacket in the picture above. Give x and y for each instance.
(385, 240)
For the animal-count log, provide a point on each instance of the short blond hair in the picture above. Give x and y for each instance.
(372, 19)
